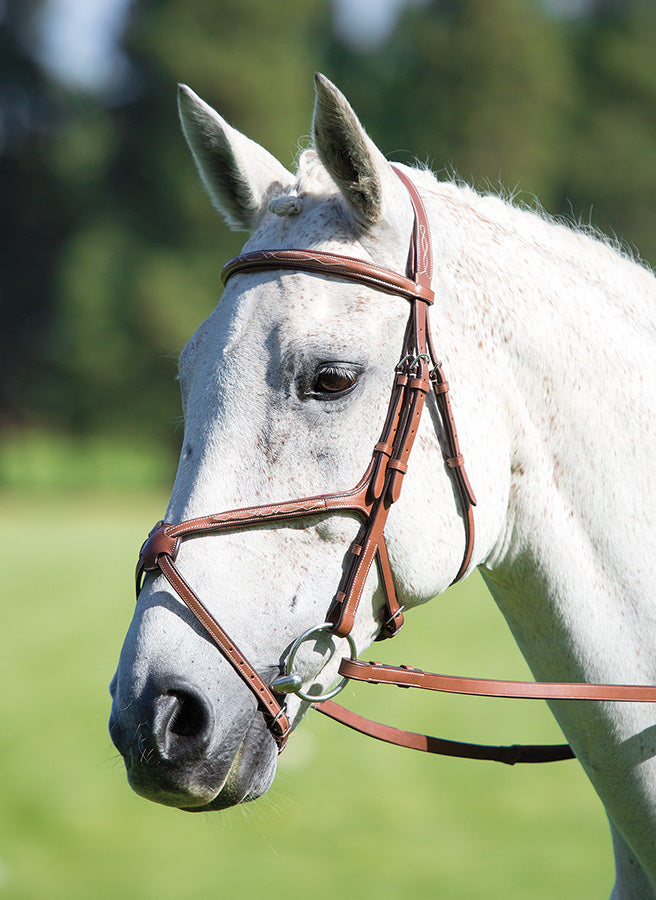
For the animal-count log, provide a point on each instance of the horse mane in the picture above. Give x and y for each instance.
(573, 245)
(311, 175)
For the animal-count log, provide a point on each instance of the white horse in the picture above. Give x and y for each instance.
(548, 337)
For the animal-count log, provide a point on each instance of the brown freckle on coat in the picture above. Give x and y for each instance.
(558, 466)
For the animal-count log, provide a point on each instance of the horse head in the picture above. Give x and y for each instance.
(284, 388)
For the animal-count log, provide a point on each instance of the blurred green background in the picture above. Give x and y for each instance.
(110, 255)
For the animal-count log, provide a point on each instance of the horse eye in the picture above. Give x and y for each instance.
(333, 380)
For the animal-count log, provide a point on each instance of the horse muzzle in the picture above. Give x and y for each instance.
(179, 753)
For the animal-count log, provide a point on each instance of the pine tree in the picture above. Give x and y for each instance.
(612, 176)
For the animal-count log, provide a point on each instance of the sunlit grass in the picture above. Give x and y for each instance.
(47, 460)
(345, 814)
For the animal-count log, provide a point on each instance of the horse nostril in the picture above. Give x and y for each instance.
(183, 723)
(189, 717)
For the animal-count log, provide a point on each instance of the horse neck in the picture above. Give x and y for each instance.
(564, 329)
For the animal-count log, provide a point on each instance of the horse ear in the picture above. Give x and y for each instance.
(239, 175)
(352, 159)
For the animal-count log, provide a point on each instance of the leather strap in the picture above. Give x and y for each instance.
(406, 676)
(330, 264)
(510, 755)
(455, 462)
(158, 553)
(371, 499)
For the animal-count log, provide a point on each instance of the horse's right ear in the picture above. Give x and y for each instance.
(240, 176)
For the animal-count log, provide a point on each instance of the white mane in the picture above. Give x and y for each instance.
(566, 243)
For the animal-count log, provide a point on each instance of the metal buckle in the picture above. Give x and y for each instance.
(433, 372)
(292, 682)
(279, 736)
(394, 615)
(413, 361)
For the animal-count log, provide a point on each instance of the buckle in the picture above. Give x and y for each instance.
(413, 361)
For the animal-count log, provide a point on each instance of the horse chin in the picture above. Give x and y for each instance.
(244, 783)
(205, 786)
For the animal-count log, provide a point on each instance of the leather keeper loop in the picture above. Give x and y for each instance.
(456, 462)
(419, 384)
(397, 465)
(440, 387)
(158, 543)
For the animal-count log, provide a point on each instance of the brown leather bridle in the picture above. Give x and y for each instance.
(416, 374)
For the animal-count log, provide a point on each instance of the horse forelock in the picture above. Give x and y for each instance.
(312, 176)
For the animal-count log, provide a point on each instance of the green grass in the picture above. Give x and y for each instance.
(345, 814)
(47, 460)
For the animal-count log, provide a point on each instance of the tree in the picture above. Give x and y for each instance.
(140, 270)
(36, 214)
(612, 172)
(484, 87)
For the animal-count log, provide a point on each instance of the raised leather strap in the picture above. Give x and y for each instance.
(381, 484)
(406, 676)
(158, 553)
(412, 740)
(420, 263)
(322, 263)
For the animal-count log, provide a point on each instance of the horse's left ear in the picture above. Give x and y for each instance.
(355, 164)
(240, 176)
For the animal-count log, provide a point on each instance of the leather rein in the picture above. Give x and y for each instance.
(416, 374)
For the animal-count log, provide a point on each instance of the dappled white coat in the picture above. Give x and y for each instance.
(548, 338)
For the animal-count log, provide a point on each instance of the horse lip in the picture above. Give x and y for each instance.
(158, 781)
(260, 772)
(164, 796)
(248, 775)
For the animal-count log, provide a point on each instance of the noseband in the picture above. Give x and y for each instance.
(417, 373)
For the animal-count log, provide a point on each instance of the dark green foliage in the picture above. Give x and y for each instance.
(110, 248)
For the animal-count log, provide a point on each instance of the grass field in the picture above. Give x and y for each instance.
(345, 814)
